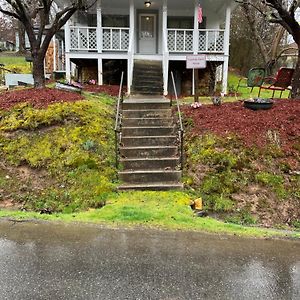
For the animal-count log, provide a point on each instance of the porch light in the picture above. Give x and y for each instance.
(147, 3)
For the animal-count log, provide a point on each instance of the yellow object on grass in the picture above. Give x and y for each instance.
(198, 204)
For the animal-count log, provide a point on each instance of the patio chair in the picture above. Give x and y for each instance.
(254, 79)
(280, 82)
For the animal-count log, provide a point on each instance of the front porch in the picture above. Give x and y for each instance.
(166, 31)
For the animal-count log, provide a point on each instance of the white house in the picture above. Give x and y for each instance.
(160, 30)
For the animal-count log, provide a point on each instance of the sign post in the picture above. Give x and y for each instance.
(196, 62)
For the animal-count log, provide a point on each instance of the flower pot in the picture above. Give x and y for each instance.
(258, 104)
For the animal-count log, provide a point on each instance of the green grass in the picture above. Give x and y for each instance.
(16, 63)
(243, 92)
(166, 210)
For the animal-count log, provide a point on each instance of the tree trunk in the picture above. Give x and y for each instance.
(296, 78)
(21, 31)
(38, 72)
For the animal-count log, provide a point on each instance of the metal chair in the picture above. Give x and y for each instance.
(280, 82)
(254, 79)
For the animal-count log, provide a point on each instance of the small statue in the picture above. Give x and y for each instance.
(216, 100)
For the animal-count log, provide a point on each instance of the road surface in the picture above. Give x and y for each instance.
(56, 261)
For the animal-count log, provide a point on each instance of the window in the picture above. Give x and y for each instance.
(184, 23)
(115, 21)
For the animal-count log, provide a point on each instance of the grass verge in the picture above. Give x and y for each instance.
(165, 210)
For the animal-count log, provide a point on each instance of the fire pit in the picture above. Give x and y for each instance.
(258, 103)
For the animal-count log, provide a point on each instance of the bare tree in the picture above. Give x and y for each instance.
(6, 30)
(282, 12)
(35, 15)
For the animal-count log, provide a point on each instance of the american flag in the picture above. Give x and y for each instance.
(200, 15)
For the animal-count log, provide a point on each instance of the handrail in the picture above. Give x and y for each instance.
(130, 59)
(118, 120)
(180, 121)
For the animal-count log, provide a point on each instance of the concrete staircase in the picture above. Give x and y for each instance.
(149, 146)
(147, 77)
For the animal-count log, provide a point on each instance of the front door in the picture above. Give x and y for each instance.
(147, 33)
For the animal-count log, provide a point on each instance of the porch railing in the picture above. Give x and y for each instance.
(118, 39)
(85, 38)
(115, 39)
(180, 40)
(210, 40)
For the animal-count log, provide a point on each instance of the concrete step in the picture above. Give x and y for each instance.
(148, 81)
(148, 66)
(148, 113)
(147, 62)
(148, 131)
(148, 152)
(134, 122)
(139, 141)
(148, 90)
(165, 163)
(143, 72)
(154, 186)
(145, 104)
(146, 93)
(146, 176)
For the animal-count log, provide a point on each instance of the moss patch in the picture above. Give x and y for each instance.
(67, 148)
(243, 185)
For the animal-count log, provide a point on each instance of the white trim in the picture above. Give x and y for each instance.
(131, 47)
(226, 50)
(227, 31)
(68, 67)
(225, 75)
(95, 55)
(68, 36)
(99, 26)
(54, 54)
(165, 47)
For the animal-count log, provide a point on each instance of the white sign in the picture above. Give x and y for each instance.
(196, 61)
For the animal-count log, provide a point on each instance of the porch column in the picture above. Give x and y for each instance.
(131, 47)
(131, 25)
(54, 54)
(100, 71)
(68, 67)
(165, 46)
(99, 26)
(226, 49)
(196, 29)
(68, 36)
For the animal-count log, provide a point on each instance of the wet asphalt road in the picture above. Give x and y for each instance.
(43, 261)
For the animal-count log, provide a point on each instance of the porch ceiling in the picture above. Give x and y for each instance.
(215, 5)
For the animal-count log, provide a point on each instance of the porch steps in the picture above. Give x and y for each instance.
(149, 146)
(147, 77)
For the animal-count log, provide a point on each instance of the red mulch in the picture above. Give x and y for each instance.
(112, 90)
(250, 126)
(38, 98)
